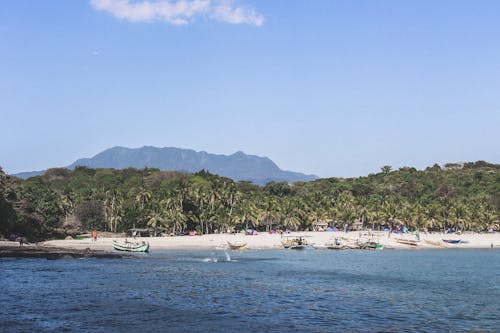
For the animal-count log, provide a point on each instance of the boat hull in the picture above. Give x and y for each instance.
(407, 241)
(452, 241)
(372, 246)
(131, 247)
(336, 247)
(236, 246)
(300, 247)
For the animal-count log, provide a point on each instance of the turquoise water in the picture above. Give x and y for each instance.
(255, 291)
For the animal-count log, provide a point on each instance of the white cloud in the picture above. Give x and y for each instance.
(180, 11)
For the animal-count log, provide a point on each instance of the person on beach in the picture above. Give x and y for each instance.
(21, 241)
(94, 236)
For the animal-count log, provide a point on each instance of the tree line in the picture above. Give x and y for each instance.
(60, 202)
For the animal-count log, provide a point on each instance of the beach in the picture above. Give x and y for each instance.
(273, 241)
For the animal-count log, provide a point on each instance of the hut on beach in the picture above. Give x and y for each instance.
(356, 226)
(142, 232)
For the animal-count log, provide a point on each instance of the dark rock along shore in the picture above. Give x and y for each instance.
(56, 253)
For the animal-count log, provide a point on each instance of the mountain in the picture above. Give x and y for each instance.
(238, 166)
(29, 174)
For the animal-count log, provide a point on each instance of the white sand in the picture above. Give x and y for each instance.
(268, 241)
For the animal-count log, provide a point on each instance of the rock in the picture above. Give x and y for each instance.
(55, 253)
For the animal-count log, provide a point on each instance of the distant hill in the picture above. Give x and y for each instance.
(29, 174)
(238, 166)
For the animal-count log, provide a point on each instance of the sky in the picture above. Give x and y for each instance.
(336, 88)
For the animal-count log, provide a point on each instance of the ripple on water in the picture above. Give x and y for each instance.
(262, 291)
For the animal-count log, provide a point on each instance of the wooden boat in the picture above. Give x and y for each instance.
(236, 246)
(336, 247)
(412, 242)
(301, 247)
(337, 244)
(288, 241)
(452, 241)
(296, 243)
(131, 246)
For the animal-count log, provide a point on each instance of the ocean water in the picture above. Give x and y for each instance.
(255, 291)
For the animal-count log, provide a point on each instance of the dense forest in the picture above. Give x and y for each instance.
(61, 202)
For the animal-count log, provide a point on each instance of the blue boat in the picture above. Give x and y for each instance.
(452, 241)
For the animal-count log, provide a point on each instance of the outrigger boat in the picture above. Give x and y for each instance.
(296, 243)
(371, 243)
(236, 246)
(412, 242)
(131, 246)
(336, 244)
(371, 246)
(341, 243)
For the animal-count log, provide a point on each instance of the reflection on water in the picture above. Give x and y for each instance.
(258, 291)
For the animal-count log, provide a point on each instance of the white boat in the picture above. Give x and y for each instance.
(131, 246)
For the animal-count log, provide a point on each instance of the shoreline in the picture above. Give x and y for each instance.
(273, 241)
(11, 250)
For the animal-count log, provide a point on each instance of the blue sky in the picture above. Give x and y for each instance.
(333, 88)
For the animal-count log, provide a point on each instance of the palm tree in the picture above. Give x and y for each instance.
(230, 197)
(156, 220)
(487, 215)
(143, 198)
(173, 212)
(199, 213)
(214, 197)
(247, 213)
(431, 213)
(66, 204)
(406, 215)
(270, 213)
(113, 209)
(459, 211)
(292, 213)
(444, 211)
(391, 208)
(418, 220)
(346, 206)
(363, 211)
(142, 201)
(376, 212)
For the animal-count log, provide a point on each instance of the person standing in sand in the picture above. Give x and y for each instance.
(94, 236)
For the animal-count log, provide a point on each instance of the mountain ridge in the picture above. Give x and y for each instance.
(237, 166)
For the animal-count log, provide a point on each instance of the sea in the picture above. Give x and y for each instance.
(255, 291)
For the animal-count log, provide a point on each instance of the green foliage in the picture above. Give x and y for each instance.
(465, 196)
(8, 217)
(91, 215)
(280, 189)
(386, 169)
